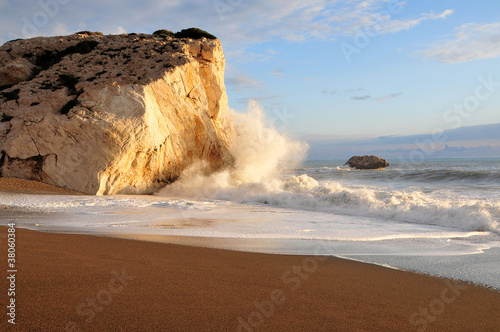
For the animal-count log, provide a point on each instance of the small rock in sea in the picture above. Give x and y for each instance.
(367, 162)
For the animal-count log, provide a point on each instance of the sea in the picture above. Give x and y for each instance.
(436, 216)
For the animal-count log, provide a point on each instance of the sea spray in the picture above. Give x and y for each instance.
(263, 173)
(261, 154)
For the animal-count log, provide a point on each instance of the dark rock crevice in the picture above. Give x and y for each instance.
(31, 137)
(2, 162)
(32, 165)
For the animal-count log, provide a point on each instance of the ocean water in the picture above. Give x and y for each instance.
(438, 216)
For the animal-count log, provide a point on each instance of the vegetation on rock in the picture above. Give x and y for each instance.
(164, 32)
(194, 33)
(90, 33)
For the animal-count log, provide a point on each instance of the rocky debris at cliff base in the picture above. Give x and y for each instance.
(367, 162)
(114, 114)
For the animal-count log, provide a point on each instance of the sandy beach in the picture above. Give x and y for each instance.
(32, 187)
(250, 166)
(89, 283)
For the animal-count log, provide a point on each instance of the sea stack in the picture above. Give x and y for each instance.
(114, 114)
(367, 162)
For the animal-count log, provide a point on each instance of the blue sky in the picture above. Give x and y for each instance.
(321, 69)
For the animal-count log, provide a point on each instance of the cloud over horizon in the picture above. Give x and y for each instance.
(472, 141)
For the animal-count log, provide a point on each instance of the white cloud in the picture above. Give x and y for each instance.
(365, 97)
(241, 53)
(278, 72)
(446, 13)
(326, 91)
(375, 16)
(391, 96)
(59, 29)
(393, 26)
(355, 90)
(242, 82)
(238, 23)
(469, 43)
(118, 30)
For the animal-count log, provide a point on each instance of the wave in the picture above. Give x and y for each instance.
(412, 206)
(447, 175)
(305, 193)
(257, 177)
(425, 175)
(260, 154)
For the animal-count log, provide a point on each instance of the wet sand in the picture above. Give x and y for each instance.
(67, 282)
(90, 283)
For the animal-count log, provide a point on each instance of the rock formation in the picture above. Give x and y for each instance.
(116, 114)
(367, 162)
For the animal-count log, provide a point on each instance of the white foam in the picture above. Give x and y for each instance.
(261, 155)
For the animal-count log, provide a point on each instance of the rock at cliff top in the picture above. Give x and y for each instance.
(117, 114)
(367, 162)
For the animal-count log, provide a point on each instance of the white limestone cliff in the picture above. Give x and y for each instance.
(117, 114)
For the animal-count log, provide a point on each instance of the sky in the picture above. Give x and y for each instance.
(323, 70)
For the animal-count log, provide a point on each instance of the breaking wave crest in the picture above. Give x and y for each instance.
(262, 156)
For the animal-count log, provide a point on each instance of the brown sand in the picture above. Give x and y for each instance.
(90, 283)
(32, 187)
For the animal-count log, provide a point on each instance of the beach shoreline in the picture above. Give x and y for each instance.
(77, 282)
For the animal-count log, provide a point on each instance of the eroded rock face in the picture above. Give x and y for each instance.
(367, 162)
(111, 114)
